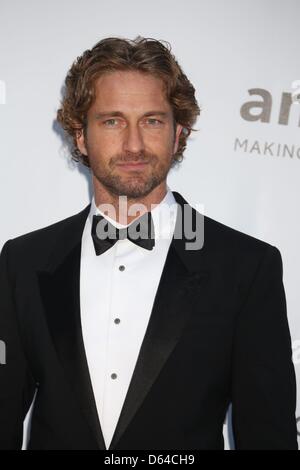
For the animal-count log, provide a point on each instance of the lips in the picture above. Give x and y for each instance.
(132, 165)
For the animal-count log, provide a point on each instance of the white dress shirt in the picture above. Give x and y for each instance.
(117, 291)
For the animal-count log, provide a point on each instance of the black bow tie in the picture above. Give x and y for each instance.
(105, 235)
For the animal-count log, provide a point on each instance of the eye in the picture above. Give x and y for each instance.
(154, 121)
(109, 121)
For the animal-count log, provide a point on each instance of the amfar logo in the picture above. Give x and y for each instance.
(265, 105)
(260, 110)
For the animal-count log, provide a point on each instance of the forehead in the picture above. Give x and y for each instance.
(130, 88)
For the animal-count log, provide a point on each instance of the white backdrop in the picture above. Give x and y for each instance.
(245, 171)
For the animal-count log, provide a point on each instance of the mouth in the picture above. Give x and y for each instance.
(132, 166)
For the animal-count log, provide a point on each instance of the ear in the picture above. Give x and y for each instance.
(80, 141)
(176, 138)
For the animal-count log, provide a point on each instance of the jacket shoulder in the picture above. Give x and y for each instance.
(222, 239)
(224, 236)
(31, 242)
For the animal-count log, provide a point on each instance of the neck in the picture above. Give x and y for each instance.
(120, 208)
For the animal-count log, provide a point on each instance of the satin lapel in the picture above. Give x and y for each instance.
(183, 283)
(59, 288)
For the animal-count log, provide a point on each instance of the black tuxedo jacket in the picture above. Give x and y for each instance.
(218, 334)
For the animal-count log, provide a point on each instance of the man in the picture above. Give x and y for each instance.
(131, 338)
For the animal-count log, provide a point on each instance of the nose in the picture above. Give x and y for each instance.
(133, 142)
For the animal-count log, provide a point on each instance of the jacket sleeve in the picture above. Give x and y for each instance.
(17, 385)
(263, 375)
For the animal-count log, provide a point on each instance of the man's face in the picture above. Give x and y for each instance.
(130, 138)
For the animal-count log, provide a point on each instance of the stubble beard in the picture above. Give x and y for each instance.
(134, 185)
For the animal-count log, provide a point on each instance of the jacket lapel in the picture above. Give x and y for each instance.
(183, 281)
(59, 289)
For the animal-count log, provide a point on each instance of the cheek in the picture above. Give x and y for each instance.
(162, 145)
(159, 139)
(101, 142)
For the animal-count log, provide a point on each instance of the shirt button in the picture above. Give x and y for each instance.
(117, 320)
(113, 376)
(121, 268)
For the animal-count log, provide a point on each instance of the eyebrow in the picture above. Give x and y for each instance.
(119, 113)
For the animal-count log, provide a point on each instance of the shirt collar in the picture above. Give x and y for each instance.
(163, 215)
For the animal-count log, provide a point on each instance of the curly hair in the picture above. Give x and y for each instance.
(117, 54)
